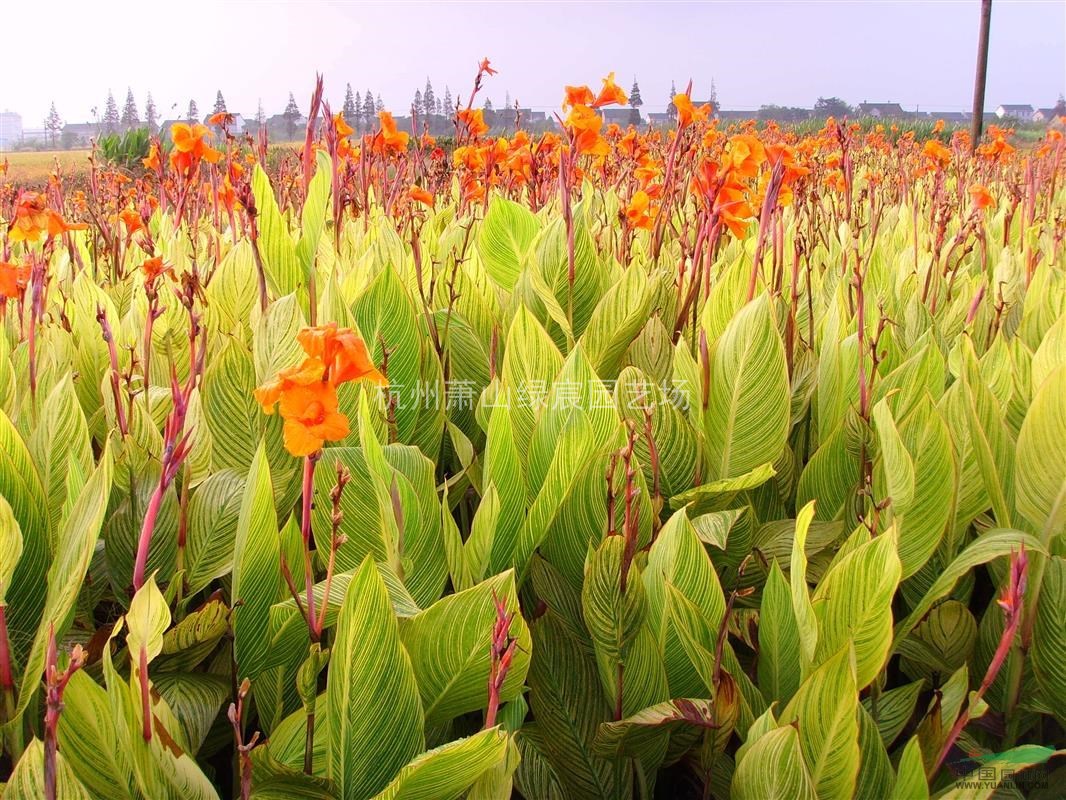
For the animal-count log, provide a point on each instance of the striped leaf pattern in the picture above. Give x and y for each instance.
(275, 242)
(376, 723)
(825, 711)
(504, 239)
(452, 671)
(747, 416)
(256, 569)
(773, 769)
(446, 772)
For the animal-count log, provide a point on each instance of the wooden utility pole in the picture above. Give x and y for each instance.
(979, 78)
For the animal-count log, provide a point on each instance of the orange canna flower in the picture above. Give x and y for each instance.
(343, 353)
(132, 220)
(733, 208)
(628, 143)
(998, 148)
(311, 418)
(639, 214)
(474, 120)
(688, 113)
(585, 125)
(151, 161)
(341, 126)
(31, 219)
(13, 279)
(220, 119)
(578, 96)
(610, 93)
(485, 67)
(34, 220)
(746, 154)
(937, 153)
(420, 195)
(190, 146)
(308, 372)
(306, 394)
(153, 268)
(393, 140)
(227, 195)
(307, 401)
(982, 198)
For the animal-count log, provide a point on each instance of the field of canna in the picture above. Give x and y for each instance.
(710, 462)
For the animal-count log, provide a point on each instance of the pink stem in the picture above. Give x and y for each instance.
(145, 540)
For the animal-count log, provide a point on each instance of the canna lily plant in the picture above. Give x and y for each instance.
(711, 462)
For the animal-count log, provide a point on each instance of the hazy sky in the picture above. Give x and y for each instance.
(909, 51)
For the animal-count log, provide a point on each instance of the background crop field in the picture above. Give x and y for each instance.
(35, 166)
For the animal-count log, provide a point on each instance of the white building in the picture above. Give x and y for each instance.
(10, 129)
(1015, 111)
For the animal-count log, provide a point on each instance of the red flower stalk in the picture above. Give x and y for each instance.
(7, 678)
(176, 447)
(1012, 602)
(55, 684)
(501, 654)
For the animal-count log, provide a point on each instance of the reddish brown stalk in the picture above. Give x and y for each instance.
(146, 705)
(309, 135)
(37, 281)
(176, 442)
(116, 392)
(501, 654)
(668, 188)
(1012, 602)
(656, 469)
(154, 312)
(612, 466)
(630, 528)
(307, 498)
(7, 678)
(55, 684)
(235, 714)
(769, 207)
(336, 541)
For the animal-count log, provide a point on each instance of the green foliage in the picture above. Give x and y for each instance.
(576, 550)
(126, 150)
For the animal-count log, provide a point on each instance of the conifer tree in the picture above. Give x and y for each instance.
(429, 99)
(368, 110)
(130, 117)
(220, 104)
(193, 114)
(348, 109)
(292, 116)
(111, 117)
(53, 123)
(151, 115)
(635, 99)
